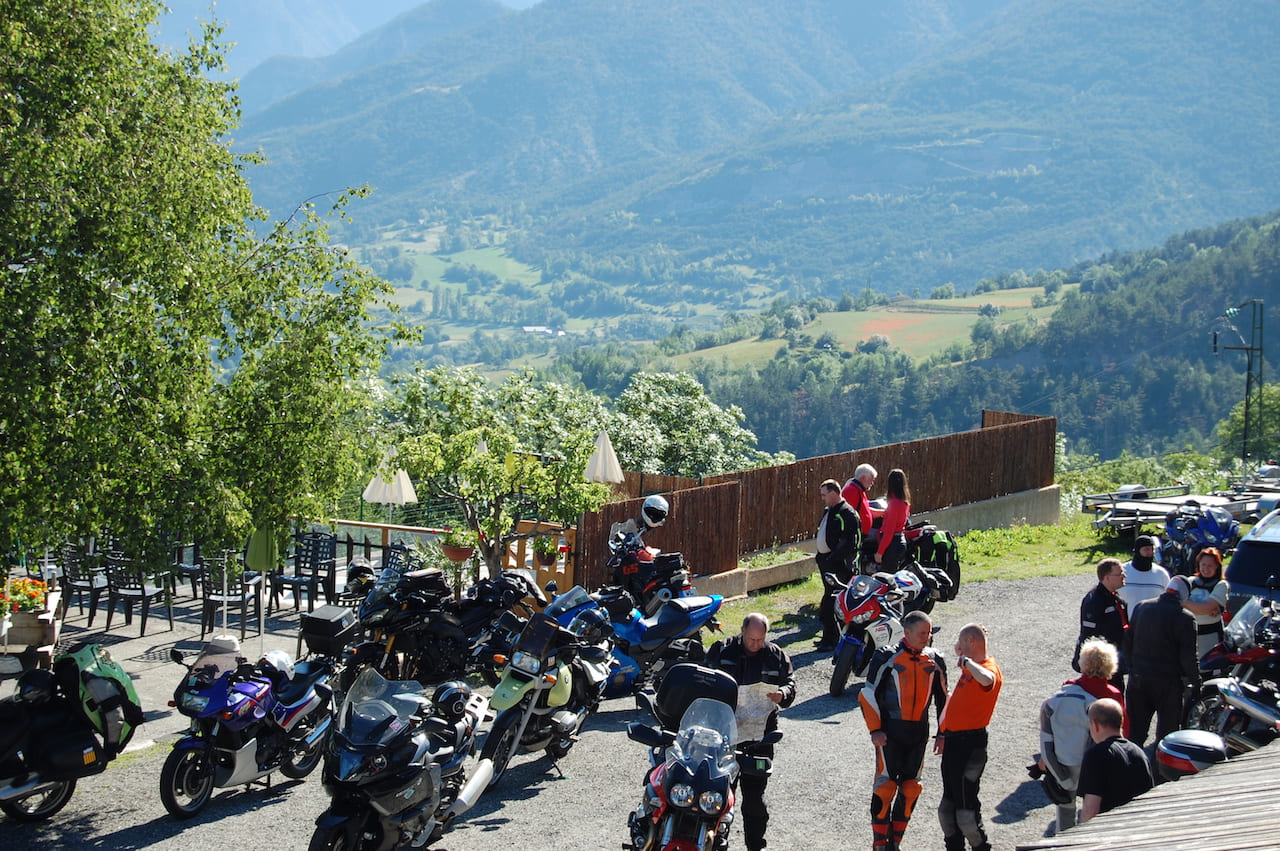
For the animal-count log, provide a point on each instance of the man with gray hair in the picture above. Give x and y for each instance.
(751, 658)
(855, 493)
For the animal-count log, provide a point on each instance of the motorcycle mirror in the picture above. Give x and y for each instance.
(551, 588)
(644, 701)
(772, 737)
(175, 655)
(593, 653)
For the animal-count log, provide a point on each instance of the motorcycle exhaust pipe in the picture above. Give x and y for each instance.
(36, 785)
(320, 731)
(471, 792)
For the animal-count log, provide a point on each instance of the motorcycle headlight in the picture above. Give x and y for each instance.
(680, 795)
(196, 703)
(526, 662)
(863, 617)
(711, 803)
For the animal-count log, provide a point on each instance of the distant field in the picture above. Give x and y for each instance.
(919, 328)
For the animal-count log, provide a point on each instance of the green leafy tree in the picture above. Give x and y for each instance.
(169, 361)
(666, 423)
(502, 454)
(1264, 428)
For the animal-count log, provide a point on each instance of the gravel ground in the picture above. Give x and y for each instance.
(819, 795)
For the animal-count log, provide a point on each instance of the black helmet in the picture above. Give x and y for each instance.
(591, 625)
(450, 699)
(37, 686)
(655, 510)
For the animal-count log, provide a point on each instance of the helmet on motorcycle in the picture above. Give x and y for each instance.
(36, 686)
(450, 699)
(277, 662)
(360, 579)
(654, 511)
(591, 625)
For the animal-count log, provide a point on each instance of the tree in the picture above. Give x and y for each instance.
(164, 365)
(666, 423)
(1264, 428)
(500, 455)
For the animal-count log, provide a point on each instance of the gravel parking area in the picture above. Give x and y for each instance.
(819, 794)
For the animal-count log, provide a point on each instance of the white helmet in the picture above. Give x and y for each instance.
(278, 661)
(654, 511)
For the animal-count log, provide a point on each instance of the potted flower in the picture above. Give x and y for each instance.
(29, 608)
(545, 550)
(458, 544)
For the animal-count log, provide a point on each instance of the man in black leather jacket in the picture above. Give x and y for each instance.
(1160, 647)
(1103, 614)
(839, 534)
(752, 658)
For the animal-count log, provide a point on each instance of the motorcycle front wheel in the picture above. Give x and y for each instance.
(500, 744)
(347, 836)
(1204, 711)
(186, 782)
(844, 668)
(40, 805)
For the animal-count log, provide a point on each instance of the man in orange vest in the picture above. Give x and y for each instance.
(962, 740)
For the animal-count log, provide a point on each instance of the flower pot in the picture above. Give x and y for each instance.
(544, 559)
(457, 554)
(35, 629)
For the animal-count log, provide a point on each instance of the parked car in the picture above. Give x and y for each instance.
(1256, 562)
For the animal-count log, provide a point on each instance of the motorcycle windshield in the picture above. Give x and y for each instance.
(213, 662)
(376, 709)
(865, 586)
(538, 636)
(382, 589)
(708, 731)
(571, 599)
(1240, 627)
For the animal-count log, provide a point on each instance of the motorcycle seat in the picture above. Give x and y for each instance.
(672, 620)
(305, 676)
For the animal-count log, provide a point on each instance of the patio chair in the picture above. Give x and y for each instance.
(126, 586)
(82, 578)
(233, 588)
(314, 560)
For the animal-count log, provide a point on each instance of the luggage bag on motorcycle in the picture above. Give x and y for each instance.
(104, 693)
(68, 753)
(329, 629)
(684, 684)
(936, 548)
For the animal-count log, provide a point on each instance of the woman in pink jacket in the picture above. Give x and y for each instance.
(893, 544)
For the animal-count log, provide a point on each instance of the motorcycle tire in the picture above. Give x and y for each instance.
(186, 782)
(339, 837)
(500, 745)
(40, 806)
(844, 668)
(302, 760)
(1204, 711)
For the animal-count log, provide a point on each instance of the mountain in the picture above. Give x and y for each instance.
(1064, 130)
(528, 103)
(261, 29)
(281, 76)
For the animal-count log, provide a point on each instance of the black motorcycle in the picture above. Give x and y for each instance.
(651, 578)
(416, 630)
(395, 765)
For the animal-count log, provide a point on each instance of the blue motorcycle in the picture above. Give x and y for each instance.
(1190, 528)
(645, 647)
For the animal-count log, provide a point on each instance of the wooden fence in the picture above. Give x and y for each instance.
(779, 505)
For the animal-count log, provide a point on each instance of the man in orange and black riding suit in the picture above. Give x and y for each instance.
(895, 703)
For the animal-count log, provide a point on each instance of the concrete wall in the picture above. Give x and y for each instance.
(1029, 508)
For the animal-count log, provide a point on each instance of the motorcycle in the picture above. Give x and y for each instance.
(871, 609)
(50, 738)
(552, 683)
(247, 721)
(394, 767)
(1244, 706)
(694, 761)
(650, 577)
(1190, 528)
(418, 631)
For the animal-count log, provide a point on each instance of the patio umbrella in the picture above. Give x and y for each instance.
(603, 464)
(390, 489)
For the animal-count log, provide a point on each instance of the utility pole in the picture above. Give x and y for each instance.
(1253, 375)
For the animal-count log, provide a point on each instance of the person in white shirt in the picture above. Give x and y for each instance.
(1143, 578)
(1208, 600)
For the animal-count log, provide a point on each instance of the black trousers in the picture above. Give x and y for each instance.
(755, 813)
(964, 758)
(1160, 697)
(831, 563)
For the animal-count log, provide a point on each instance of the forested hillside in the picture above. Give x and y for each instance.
(1126, 361)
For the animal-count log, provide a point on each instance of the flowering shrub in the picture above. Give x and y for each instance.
(23, 595)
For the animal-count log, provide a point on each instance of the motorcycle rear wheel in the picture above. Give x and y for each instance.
(500, 744)
(302, 760)
(186, 782)
(1204, 711)
(844, 668)
(41, 805)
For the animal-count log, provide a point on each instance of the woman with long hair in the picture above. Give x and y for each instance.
(893, 543)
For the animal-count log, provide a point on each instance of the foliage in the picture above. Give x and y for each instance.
(459, 537)
(546, 546)
(23, 594)
(665, 423)
(164, 364)
(501, 455)
(1264, 428)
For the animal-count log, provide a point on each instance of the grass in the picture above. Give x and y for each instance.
(1068, 548)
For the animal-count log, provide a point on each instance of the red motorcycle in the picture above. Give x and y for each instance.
(871, 609)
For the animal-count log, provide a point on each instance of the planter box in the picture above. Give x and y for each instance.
(36, 629)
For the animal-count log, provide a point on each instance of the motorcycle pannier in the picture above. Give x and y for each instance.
(104, 693)
(684, 684)
(68, 754)
(329, 629)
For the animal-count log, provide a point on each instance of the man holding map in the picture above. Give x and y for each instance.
(766, 683)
